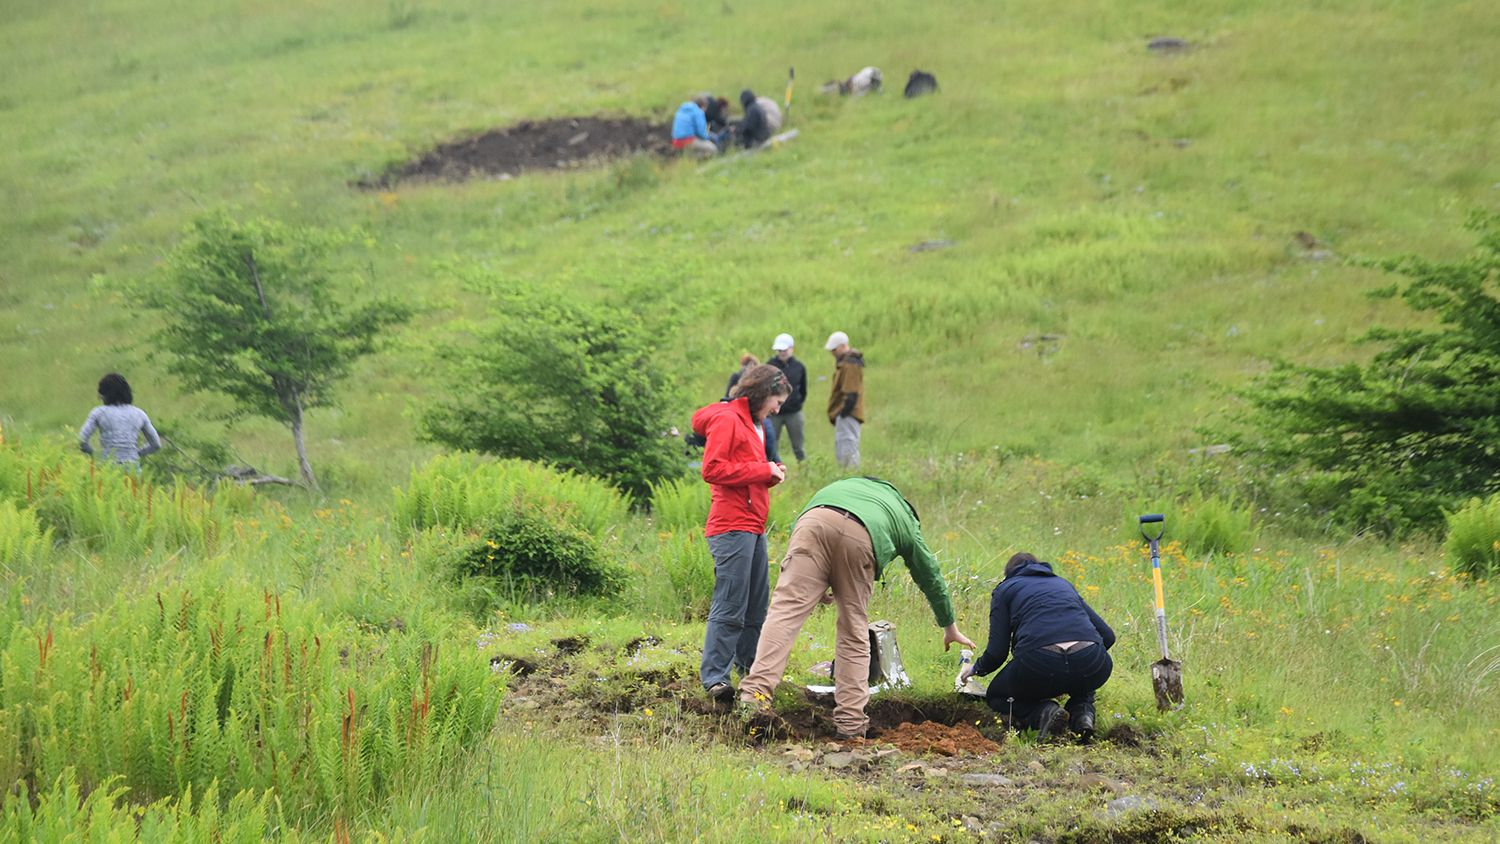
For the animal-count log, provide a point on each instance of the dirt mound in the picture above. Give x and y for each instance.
(559, 144)
(932, 737)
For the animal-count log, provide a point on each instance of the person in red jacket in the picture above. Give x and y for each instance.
(739, 478)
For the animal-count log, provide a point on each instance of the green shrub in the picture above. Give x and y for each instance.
(465, 491)
(1473, 543)
(1390, 444)
(540, 554)
(1212, 525)
(575, 384)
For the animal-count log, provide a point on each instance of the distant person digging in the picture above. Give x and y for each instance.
(690, 129)
(717, 113)
(762, 119)
(868, 80)
(920, 82)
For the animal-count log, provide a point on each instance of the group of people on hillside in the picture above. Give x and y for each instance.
(702, 125)
(846, 404)
(840, 547)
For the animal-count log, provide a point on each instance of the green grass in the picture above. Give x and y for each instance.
(1140, 206)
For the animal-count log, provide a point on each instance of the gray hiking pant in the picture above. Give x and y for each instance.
(741, 593)
(789, 423)
(846, 441)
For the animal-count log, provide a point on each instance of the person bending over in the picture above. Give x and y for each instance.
(840, 546)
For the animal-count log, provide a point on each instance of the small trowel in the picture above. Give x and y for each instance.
(970, 687)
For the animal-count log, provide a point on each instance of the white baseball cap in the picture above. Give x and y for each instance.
(782, 343)
(836, 339)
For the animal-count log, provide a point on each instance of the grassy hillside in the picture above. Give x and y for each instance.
(1141, 205)
(1145, 208)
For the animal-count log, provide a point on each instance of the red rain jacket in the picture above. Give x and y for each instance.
(735, 467)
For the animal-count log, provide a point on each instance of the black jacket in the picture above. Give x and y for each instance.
(1034, 608)
(754, 129)
(796, 375)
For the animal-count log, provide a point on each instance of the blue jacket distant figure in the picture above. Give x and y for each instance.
(1057, 644)
(690, 128)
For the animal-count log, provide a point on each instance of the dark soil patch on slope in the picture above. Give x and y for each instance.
(561, 144)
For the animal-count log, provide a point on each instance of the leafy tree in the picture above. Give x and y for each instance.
(252, 315)
(566, 383)
(1391, 444)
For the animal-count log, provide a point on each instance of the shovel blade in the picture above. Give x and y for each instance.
(1166, 681)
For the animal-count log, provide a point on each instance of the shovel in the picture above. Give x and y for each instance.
(1166, 673)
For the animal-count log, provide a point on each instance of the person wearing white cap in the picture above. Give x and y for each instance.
(788, 422)
(846, 402)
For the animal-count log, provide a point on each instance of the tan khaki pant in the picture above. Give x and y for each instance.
(827, 550)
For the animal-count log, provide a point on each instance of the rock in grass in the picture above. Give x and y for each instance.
(801, 754)
(1100, 781)
(1166, 45)
(842, 759)
(986, 780)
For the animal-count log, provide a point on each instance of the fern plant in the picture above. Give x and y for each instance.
(1472, 546)
(22, 538)
(465, 491)
(174, 693)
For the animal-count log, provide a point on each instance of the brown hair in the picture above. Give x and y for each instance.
(1017, 561)
(760, 383)
(748, 360)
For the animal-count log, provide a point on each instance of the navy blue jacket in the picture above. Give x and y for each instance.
(1033, 608)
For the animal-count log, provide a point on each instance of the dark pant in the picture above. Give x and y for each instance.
(1038, 675)
(738, 609)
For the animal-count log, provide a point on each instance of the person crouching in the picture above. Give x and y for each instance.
(1057, 645)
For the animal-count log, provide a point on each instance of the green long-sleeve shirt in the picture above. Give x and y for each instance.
(894, 531)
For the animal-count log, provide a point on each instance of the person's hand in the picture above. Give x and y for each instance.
(826, 597)
(778, 473)
(951, 635)
(964, 675)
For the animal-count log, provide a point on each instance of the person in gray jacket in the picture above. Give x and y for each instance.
(120, 424)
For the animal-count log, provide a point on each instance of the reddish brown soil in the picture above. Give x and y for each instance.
(932, 737)
(559, 144)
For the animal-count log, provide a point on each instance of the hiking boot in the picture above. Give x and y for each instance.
(1046, 719)
(722, 693)
(1081, 720)
(841, 736)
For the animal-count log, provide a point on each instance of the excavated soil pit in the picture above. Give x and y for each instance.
(930, 737)
(941, 721)
(560, 144)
